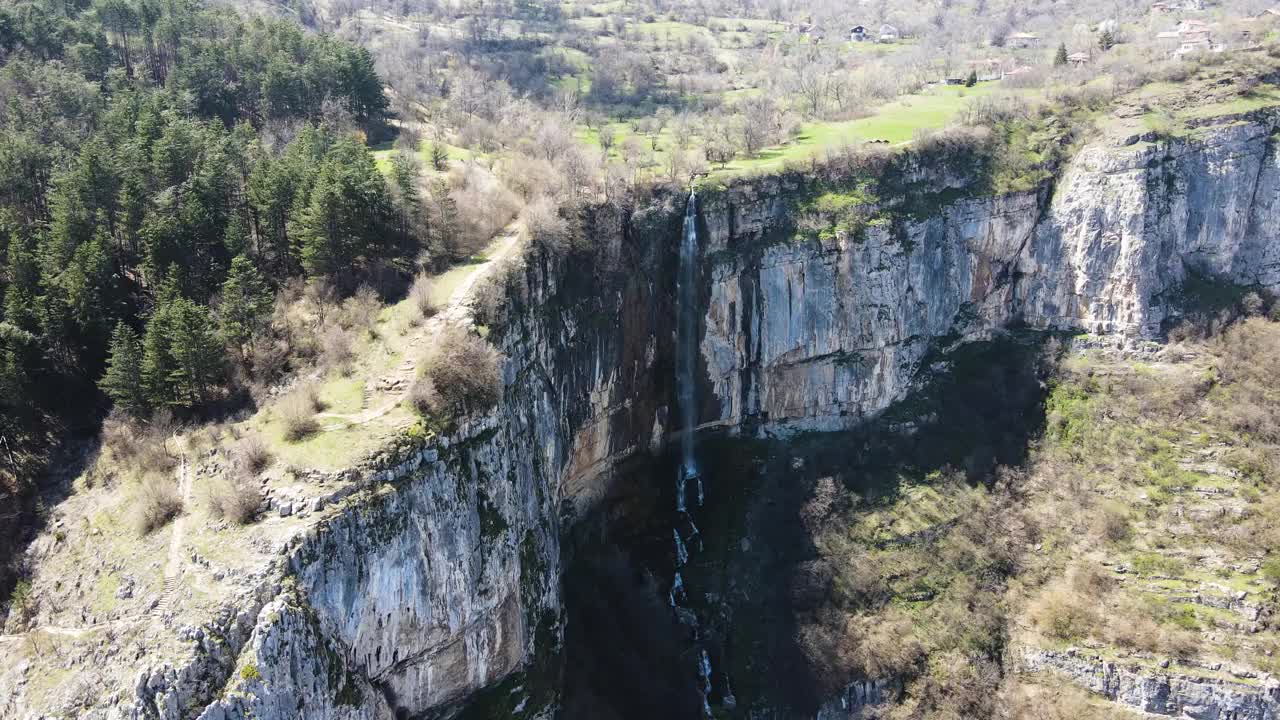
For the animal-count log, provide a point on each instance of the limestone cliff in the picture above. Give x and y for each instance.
(817, 334)
(429, 578)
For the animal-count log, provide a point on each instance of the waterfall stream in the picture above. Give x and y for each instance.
(686, 351)
(686, 359)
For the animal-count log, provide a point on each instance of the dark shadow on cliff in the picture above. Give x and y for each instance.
(979, 408)
(760, 605)
(625, 658)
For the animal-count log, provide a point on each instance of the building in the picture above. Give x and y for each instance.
(889, 33)
(1194, 44)
(1018, 71)
(1190, 37)
(1079, 59)
(1023, 40)
(988, 69)
(857, 33)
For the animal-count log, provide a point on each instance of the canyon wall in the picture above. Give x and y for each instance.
(432, 586)
(817, 334)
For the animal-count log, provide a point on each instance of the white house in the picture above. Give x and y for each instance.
(1023, 40)
(889, 33)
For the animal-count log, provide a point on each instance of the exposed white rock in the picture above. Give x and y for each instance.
(1159, 692)
(430, 572)
(808, 334)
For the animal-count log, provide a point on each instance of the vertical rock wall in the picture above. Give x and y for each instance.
(441, 577)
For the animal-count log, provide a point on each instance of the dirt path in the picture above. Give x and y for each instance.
(172, 571)
(173, 565)
(455, 311)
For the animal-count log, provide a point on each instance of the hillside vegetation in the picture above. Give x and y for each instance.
(1141, 528)
(185, 197)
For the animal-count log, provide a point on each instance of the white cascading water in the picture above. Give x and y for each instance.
(686, 357)
(686, 350)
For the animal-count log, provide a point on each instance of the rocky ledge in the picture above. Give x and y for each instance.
(1161, 687)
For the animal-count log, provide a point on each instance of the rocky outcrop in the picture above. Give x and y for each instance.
(807, 333)
(435, 574)
(1160, 691)
(859, 699)
(435, 570)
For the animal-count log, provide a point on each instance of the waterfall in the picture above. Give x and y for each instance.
(682, 554)
(686, 350)
(686, 362)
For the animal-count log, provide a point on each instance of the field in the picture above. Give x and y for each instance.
(895, 123)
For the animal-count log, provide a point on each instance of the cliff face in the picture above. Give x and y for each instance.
(435, 573)
(817, 334)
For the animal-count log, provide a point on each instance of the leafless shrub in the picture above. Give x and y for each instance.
(529, 177)
(546, 227)
(465, 369)
(360, 310)
(297, 412)
(829, 644)
(1252, 304)
(490, 296)
(888, 646)
(140, 446)
(420, 294)
(268, 357)
(235, 496)
(424, 397)
(156, 502)
(1112, 525)
(1061, 613)
(321, 298)
(483, 207)
(251, 454)
(337, 353)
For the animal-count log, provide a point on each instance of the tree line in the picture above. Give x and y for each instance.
(164, 167)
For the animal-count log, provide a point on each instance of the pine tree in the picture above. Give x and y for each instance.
(123, 379)
(246, 300)
(439, 156)
(347, 215)
(972, 79)
(157, 362)
(197, 357)
(1106, 40)
(443, 231)
(321, 231)
(1060, 58)
(406, 179)
(24, 285)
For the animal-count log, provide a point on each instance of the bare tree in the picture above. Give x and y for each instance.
(607, 138)
(756, 123)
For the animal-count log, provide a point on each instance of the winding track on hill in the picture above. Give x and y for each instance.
(456, 311)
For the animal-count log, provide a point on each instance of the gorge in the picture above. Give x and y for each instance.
(523, 563)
